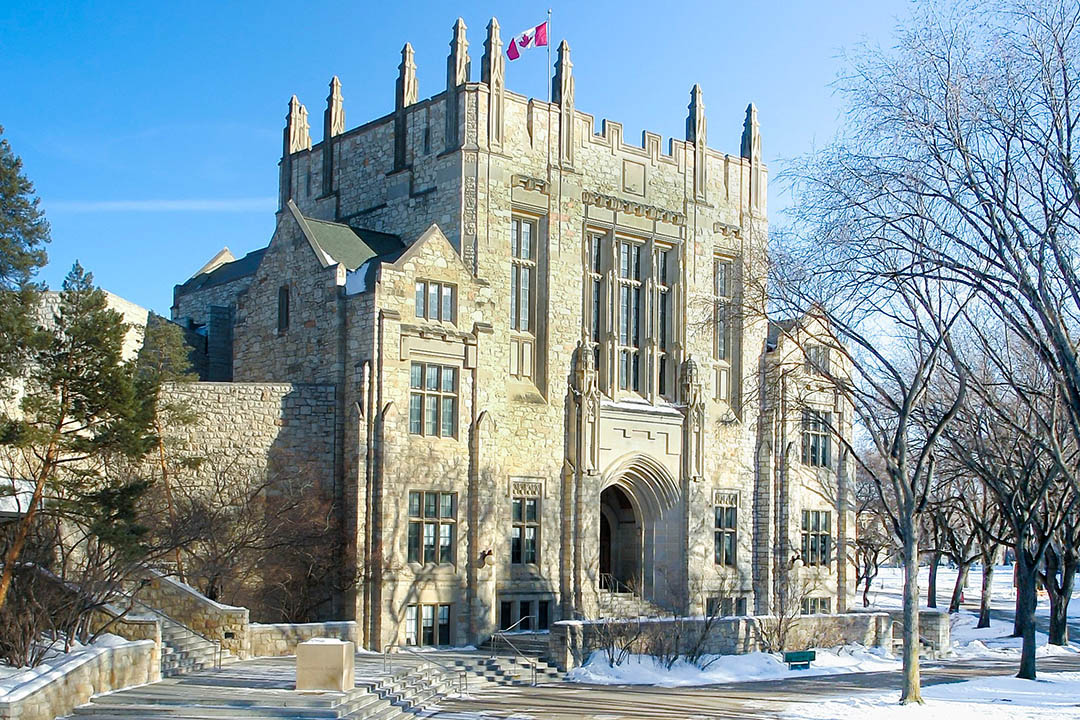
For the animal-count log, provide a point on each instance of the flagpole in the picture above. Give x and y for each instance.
(548, 80)
(547, 75)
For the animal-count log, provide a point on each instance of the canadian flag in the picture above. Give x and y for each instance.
(533, 37)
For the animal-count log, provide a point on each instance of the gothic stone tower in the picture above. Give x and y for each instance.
(546, 344)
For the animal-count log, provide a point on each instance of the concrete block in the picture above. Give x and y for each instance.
(325, 664)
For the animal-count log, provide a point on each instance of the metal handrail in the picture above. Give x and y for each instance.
(501, 635)
(462, 675)
(520, 620)
(608, 581)
(216, 643)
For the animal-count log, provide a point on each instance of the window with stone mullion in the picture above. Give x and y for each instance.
(722, 325)
(816, 537)
(662, 326)
(433, 400)
(523, 253)
(630, 297)
(525, 531)
(596, 302)
(432, 527)
(816, 438)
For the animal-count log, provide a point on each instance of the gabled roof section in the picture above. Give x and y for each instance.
(224, 256)
(222, 272)
(335, 243)
(433, 234)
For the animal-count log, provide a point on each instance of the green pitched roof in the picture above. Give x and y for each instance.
(341, 243)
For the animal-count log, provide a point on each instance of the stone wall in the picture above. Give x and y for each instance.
(75, 682)
(935, 629)
(571, 642)
(258, 427)
(131, 627)
(182, 603)
(278, 639)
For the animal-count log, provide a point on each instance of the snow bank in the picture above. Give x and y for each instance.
(994, 642)
(1054, 695)
(645, 670)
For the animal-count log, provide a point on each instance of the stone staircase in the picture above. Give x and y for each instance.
(614, 604)
(269, 694)
(502, 669)
(533, 644)
(182, 651)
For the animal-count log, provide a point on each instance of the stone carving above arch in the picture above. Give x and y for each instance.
(647, 480)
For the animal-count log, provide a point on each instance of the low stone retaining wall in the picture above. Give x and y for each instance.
(277, 639)
(74, 682)
(131, 627)
(935, 628)
(183, 603)
(572, 641)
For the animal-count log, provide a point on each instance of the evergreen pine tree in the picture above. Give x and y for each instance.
(23, 233)
(165, 358)
(82, 408)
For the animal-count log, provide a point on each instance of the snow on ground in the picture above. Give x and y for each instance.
(969, 642)
(994, 642)
(16, 682)
(645, 670)
(1054, 695)
(886, 588)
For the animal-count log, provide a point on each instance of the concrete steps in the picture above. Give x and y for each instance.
(627, 605)
(504, 669)
(264, 693)
(182, 651)
(533, 644)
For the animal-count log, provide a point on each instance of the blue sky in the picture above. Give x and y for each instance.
(152, 131)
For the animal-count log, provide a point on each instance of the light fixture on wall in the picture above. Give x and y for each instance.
(486, 559)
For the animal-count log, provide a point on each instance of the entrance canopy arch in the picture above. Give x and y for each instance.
(640, 529)
(648, 483)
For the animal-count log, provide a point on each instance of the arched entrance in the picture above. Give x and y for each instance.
(620, 541)
(641, 531)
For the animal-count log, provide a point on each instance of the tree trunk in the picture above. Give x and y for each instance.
(866, 591)
(911, 690)
(1060, 593)
(984, 600)
(931, 590)
(958, 588)
(1025, 607)
(1018, 621)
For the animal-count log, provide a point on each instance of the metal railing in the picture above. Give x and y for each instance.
(609, 582)
(462, 675)
(501, 635)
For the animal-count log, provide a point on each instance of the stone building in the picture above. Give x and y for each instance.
(555, 386)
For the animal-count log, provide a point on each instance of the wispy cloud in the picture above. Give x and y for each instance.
(258, 204)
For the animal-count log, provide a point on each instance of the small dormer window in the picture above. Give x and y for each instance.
(436, 301)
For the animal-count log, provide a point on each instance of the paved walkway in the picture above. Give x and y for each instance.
(566, 701)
